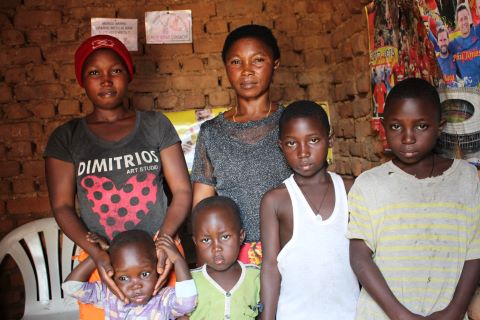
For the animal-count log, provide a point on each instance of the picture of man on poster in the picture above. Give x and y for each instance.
(457, 45)
(466, 47)
(444, 58)
(379, 93)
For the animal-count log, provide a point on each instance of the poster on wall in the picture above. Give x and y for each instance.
(187, 123)
(399, 49)
(123, 29)
(168, 26)
(453, 28)
(324, 105)
(439, 41)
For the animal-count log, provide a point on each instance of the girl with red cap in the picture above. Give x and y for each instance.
(113, 161)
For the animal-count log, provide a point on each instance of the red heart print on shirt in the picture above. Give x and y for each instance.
(121, 208)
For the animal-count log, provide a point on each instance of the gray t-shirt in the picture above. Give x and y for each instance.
(242, 161)
(119, 184)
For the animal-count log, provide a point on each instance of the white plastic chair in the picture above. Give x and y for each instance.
(44, 256)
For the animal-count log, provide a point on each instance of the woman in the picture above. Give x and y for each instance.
(114, 161)
(237, 153)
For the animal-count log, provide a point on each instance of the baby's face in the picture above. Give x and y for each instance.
(135, 273)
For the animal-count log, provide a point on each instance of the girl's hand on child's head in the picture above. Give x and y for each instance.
(106, 272)
(95, 238)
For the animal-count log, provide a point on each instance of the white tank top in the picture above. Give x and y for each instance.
(317, 280)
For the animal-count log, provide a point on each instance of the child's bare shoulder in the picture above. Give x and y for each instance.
(276, 197)
(275, 193)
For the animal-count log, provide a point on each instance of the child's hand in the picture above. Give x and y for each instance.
(164, 266)
(415, 317)
(95, 238)
(443, 314)
(167, 244)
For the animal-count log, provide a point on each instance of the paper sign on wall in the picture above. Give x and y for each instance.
(123, 29)
(168, 26)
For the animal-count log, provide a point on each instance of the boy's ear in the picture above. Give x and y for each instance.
(276, 64)
(242, 235)
(193, 239)
(280, 144)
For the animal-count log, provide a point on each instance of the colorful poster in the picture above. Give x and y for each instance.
(453, 28)
(324, 105)
(399, 49)
(438, 40)
(123, 29)
(168, 26)
(187, 123)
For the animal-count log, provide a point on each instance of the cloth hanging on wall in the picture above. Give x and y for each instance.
(399, 49)
(439, 41)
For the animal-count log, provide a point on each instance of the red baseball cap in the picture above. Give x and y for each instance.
(102, 41)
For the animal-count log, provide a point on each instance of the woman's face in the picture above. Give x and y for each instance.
(249, 64)
(105, 79)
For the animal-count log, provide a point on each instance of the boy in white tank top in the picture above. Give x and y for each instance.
(306, 272)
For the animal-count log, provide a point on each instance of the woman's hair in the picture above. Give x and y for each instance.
(303, 109)
(133, 237)
(255, 31)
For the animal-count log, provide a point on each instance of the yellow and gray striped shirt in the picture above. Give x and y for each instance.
(421, 232)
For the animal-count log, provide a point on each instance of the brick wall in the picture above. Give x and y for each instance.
(324, 57)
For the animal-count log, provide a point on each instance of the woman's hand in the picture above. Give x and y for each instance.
(176, 176)
(106, 272)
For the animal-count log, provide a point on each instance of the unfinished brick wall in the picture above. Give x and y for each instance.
(324, 57)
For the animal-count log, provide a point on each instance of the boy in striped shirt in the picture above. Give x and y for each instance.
(415, 221)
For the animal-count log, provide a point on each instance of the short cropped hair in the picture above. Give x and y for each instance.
(303, 109)
(217, 201)
(132, 237)
(441, 29)
(414, 88)
(255, 31)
